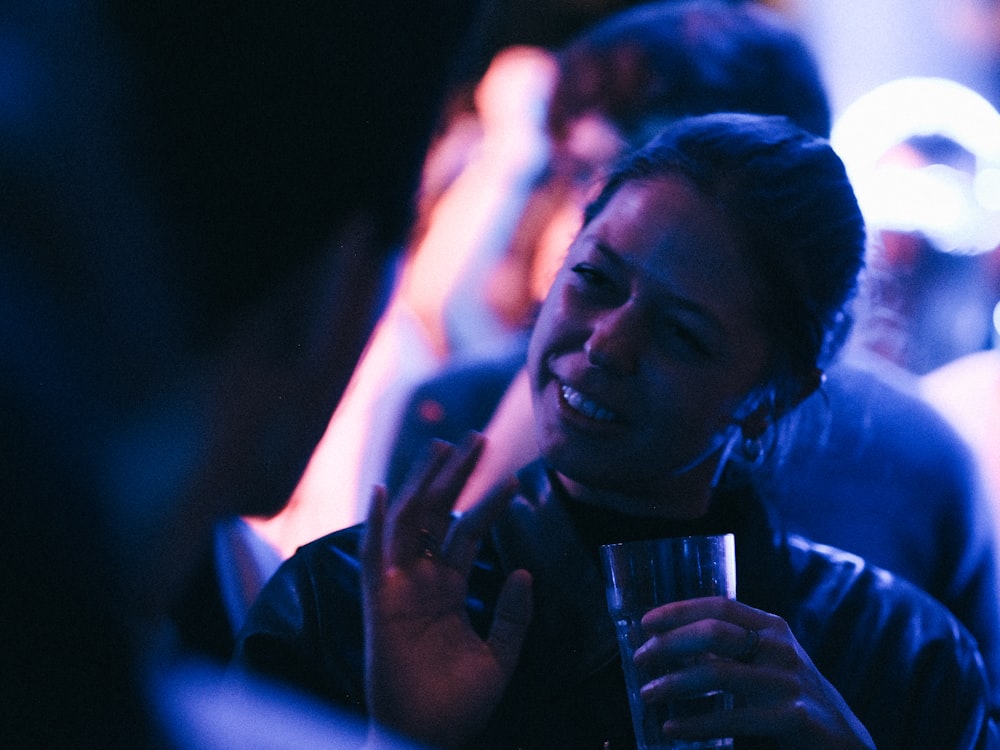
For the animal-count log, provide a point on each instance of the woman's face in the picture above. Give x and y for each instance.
(647, 344)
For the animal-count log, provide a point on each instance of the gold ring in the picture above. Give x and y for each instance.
(430, 547)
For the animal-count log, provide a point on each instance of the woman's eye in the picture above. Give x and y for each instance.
(590, 274)
(678, 335)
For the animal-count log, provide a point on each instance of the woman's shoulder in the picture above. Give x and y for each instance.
(342, 545)
(849, 589)
(902, 661)
(328, 564)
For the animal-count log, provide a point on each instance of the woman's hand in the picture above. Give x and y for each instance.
(429, 675)
(777, 690)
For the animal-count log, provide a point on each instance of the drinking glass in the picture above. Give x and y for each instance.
(641, 576)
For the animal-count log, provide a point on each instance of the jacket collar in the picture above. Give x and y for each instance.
(571, 622)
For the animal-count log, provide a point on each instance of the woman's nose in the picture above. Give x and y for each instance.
(615, 340)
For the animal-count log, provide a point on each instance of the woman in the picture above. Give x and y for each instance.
(693, 310)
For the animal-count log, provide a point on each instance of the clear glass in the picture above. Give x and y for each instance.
(641, 576)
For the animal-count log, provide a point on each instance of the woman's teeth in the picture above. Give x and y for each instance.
(585, 406)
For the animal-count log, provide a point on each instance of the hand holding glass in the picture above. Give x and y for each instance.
(641, 576)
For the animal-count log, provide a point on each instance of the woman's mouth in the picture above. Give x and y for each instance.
(583, 405)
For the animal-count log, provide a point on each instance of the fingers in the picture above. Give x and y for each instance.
(709, 675)
(371, 548)
(447, 486)
(510, 623)
(720, 638)
(419, 524)
(370, 551)
(767, 700)
(420, 518)
(704, 646)
(431, 488)
(686, 662)
(463, 539)
(674, 615)
(698, 632)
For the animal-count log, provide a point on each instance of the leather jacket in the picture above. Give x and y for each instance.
(906, 667)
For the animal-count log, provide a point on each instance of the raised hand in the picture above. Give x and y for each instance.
(429, 675)
(777, 690)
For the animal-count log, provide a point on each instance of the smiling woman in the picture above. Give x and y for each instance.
(694, 306)
(693, 310)
(636, 332)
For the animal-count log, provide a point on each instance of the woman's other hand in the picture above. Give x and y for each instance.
(429, 675)
(777, 690)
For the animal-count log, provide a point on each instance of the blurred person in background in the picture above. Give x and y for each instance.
(925, 156)
(200, 207)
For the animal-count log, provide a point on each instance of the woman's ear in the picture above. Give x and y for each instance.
(755, 424)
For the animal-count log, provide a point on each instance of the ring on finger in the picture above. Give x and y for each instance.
(430, 547)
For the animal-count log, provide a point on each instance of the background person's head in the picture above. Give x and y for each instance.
(623, 79)
(660, 61)
(780, 198)
(199, 200)
(924, 154)
(186, 183)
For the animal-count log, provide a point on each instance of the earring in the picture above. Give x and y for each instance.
(752, 449)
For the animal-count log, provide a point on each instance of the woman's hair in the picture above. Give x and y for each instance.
(788, 197)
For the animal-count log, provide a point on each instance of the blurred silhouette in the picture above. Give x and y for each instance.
(201, 202)
(924, 154)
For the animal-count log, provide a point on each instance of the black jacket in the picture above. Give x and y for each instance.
(904, 664)
(862, 465)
